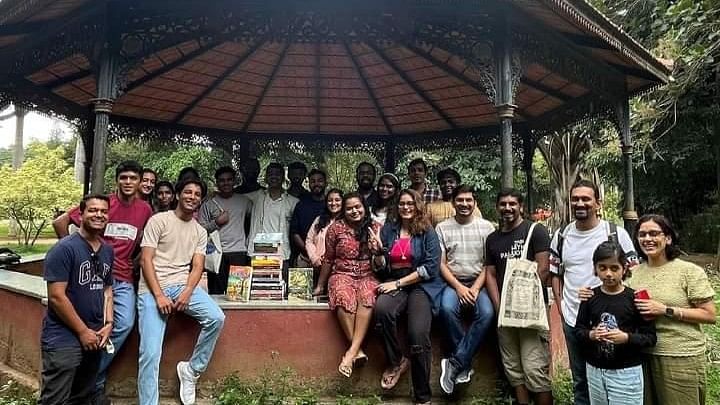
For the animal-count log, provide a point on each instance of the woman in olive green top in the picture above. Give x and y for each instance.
(681, 298)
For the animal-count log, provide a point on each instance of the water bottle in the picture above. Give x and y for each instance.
(607, 349)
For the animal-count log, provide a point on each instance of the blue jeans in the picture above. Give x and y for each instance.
(465, 343)
(151, 325)
(123, 321)
(577, 366)
(623, 386)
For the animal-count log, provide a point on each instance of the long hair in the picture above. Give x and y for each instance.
(672, 251)
(326, 216)
(361, 233)
(420, 223)
(392, 201)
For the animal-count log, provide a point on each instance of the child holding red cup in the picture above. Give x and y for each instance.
(614, 332)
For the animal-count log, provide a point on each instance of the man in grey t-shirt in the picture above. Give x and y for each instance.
(462, 240)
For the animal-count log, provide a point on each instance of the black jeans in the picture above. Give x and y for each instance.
(68, 376)
(388, 308)
(217, 283)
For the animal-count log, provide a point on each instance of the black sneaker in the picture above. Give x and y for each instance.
(448, 375)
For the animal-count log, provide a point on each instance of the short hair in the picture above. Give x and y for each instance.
(186, 172)
(180, 186)
(588, 184)
(224, 169)
(128, 166)
(149, 170)
(372, 166)
(448, 172)
(510, 192)
(672, 251)
(317, 171)
(85, 199)
(164, 183)
(297, 165)
(275, 165)
(463, 188)
(418, 161)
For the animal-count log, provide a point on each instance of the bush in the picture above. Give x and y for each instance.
(700, 233)
(562, 387)
(12, 393)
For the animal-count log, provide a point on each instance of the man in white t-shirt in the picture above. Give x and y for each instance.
(173, 257)
(462, 241)
(571, 265)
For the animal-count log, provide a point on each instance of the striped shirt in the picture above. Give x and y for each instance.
(464, 245)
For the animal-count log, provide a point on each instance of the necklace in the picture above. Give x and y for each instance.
(403, 251)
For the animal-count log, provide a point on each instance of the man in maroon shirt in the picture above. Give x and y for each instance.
(127, 217)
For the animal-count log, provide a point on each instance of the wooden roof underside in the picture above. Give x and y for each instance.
(338, 87)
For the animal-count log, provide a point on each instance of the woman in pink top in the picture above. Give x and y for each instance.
(315, 241)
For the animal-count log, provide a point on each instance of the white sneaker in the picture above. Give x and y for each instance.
(188, 380)
(464, 376)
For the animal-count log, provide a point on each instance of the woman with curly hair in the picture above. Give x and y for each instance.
(407, 260)
(388, 188)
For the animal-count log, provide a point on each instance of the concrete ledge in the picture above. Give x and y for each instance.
(258, 337)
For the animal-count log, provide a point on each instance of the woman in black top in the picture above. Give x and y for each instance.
(614, 333)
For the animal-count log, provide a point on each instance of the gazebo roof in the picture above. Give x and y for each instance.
(380, 69)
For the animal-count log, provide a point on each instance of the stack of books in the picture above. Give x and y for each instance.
(268, 243)
(267, 281)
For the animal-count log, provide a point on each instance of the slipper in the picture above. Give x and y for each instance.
(345, 368)
(391, 376)
(360, 360)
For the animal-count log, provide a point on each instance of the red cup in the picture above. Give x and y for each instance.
(642, 294)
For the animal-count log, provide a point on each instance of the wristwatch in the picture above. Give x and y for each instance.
(669, 312)
(397, 284)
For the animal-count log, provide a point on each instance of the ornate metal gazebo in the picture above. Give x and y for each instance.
(378, 74)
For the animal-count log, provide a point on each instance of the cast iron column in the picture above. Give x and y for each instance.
(504, 100)
(390, 157)
(528, 152)
(630, 216)
(107, 84)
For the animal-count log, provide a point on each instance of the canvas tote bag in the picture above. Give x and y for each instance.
(213, 252)
(522, 304)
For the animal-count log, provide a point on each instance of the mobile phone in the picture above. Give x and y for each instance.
(642, 294)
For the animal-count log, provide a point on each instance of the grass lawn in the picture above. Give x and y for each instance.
(23, 250)
(47, 232)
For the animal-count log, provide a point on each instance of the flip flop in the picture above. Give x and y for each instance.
(391, 376)
(345, 368)
(360, 360)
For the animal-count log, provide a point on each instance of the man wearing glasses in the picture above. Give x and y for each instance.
(79, 317)
(571, 265)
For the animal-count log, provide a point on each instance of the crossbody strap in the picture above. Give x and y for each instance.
(527, 241)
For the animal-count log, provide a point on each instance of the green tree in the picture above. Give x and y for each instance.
(32, 194)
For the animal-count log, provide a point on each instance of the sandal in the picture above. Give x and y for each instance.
(392, 375)
(346, 367)
(360, 360)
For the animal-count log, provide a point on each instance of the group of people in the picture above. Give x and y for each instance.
(383, 254)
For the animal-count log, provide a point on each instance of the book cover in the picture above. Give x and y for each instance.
(239, 283)
(300, 281)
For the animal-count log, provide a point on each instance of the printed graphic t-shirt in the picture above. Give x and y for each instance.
(122, 232)
(86, 273)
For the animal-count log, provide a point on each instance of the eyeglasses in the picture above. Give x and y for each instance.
(406, 204)
(652, 234)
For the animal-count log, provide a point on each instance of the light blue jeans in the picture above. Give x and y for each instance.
(151, 325)
(123, 321)
(623, 386)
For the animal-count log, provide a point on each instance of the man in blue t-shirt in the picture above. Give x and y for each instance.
(79, 317)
